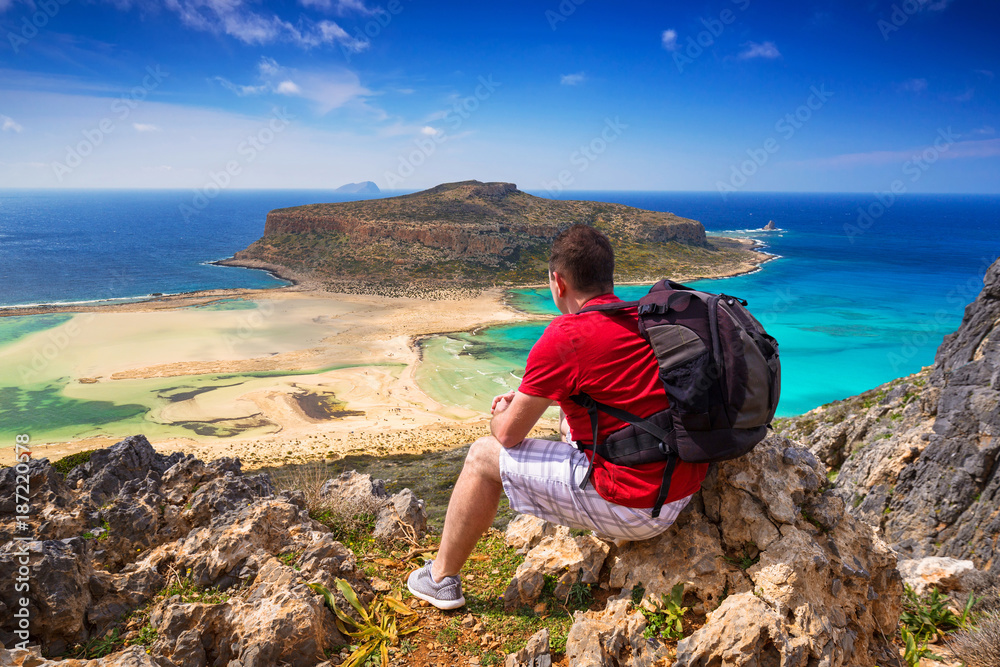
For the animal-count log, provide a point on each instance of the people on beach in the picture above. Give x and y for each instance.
(601, 354)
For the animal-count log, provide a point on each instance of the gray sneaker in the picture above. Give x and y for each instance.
(445, 594)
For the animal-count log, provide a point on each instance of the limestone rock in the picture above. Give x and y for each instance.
(764, 531)
(611, 637)
(571, 559)
(133, 656)
(948, 575)
(524, 532)
(153, 520)
(109, 469)
(353, 489)
(52, 513)
(917, 456)
(404, 516)
(534, 654)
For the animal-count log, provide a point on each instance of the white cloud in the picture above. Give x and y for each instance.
(669, 40)
(573, 79)
(966, 96)
(340, 6)
(430, 131)
(985, 130)
(329, 88)
(9, 124)
(145, 127)
(913, 86)
(233, 18)
(766, 50)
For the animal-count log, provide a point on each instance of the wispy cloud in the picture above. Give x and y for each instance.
(340, 6)
(966, 96)
(912, 86)
(8, 124)
(145, 127)
(976, 148)
(767, 50)
(985, 72)
(669, 40)
(236, 19)
(573, 79)
(329, 88)
(985, 130)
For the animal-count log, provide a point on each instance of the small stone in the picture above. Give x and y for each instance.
(381, 585)
(540, 608)
(469, 621)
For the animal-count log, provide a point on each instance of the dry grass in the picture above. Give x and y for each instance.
(979, 646)
(347, 518)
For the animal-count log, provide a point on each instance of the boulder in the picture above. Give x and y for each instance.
(948, 575)
(109, 469)
(776, 562)
(570, 559)
(524, 532)
(612, 636)
(535, 653)
(404, 517)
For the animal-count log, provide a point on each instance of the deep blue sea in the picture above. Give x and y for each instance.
(851, 307)
(58, 246)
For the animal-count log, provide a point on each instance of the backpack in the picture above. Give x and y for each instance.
(722, 376)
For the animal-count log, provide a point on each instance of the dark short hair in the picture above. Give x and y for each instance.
(583, 255)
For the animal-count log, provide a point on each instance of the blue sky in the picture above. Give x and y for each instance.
(579, 94)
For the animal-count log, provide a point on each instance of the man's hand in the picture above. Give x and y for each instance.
(503, 402)
(514, 415)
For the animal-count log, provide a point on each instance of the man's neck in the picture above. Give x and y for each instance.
(575, 302)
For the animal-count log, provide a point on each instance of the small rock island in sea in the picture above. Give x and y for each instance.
(770, 226)
(363, 188)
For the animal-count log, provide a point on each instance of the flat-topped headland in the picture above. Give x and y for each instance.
(474, 235)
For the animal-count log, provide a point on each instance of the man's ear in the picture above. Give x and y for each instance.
(560, 284)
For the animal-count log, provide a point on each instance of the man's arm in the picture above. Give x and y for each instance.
(514, 415)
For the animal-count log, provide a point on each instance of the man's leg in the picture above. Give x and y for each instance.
(472, 507)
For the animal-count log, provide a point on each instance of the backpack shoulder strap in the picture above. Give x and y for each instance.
(606, 307)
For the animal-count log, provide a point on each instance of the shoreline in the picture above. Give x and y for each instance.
(371, 346)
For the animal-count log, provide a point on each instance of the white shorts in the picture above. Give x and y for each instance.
(542, 478)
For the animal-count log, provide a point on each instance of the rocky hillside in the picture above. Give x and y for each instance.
(153, 560)
(474, 233)
(918, 456)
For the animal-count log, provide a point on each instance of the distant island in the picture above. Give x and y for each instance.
(472, 235)
(363, 188)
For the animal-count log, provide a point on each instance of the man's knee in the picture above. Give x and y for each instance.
(484, 457)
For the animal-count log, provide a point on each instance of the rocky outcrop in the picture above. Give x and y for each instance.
(918, 456)
(783, 574)
(469, 231)
(176, 521)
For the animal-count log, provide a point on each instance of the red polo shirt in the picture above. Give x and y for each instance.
(603, 355)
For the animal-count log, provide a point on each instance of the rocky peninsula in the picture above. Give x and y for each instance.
(472, 235)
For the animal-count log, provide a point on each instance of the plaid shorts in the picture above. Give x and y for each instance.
(542, 478)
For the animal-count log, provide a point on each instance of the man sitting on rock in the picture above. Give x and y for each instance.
(602, 354)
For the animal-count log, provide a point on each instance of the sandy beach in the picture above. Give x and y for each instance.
(272, 376)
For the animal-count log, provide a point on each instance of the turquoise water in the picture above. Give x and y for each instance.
(848, 314)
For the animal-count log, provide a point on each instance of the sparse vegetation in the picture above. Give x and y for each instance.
(67, 463)
(666, 618)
